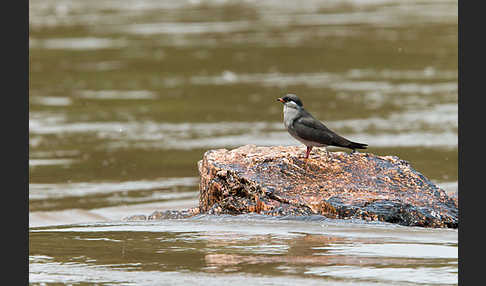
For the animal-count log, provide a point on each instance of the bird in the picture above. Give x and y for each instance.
(307, 129)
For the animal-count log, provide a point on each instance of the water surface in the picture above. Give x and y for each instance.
(125, 98)
(261, 250)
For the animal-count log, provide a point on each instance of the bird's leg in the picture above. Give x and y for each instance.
(309, 148)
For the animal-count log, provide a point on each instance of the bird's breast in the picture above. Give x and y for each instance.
(289, 115)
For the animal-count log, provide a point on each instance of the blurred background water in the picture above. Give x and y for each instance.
(126, 96)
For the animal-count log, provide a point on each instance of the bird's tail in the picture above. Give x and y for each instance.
(355, 145)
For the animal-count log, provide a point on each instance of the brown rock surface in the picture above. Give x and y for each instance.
(277, 181)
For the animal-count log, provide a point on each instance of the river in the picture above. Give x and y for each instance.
(126, 96)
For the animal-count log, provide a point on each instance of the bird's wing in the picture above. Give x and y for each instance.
(311, 129)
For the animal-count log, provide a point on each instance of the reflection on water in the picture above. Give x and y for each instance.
(126, 96)
(319, 250)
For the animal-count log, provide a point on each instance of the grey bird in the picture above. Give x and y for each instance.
(310, 131)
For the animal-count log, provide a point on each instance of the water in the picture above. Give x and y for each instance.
(125, 98)
(211, 250)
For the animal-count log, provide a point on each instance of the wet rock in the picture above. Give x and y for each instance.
(279, 181)
(173, 214)
(138, 217)
(166, 214)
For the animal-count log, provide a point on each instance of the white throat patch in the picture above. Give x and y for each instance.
(290, 111)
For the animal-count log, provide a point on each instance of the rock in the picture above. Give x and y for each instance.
(138, 217)
(277, 181)
(173, 214)
(167, 214)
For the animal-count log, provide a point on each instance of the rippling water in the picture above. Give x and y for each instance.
(125, 97)
(261, 250)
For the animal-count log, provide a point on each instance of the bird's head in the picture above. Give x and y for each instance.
(291, 100)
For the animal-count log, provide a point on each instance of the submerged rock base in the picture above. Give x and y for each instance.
(167, 214)
(279, 181)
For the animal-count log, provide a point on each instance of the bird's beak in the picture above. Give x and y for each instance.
(281, 100)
